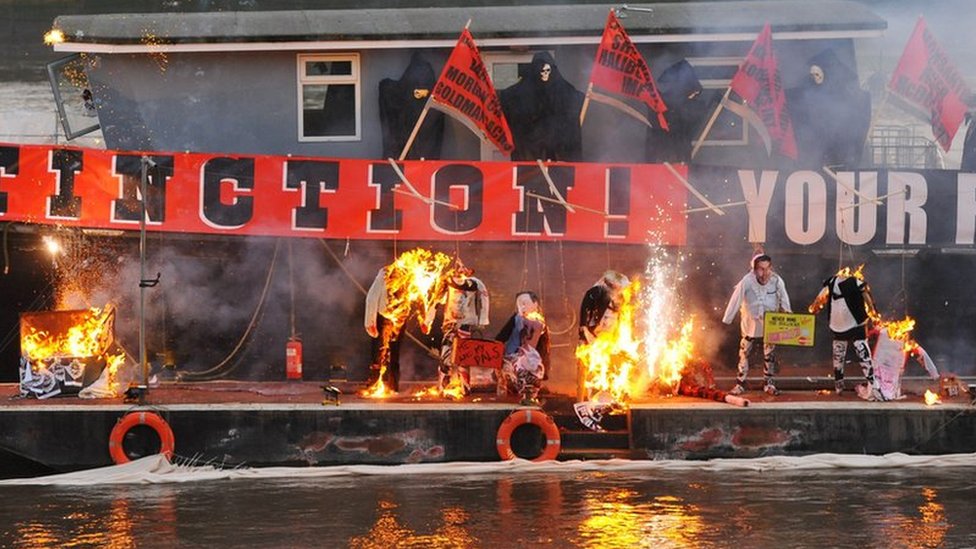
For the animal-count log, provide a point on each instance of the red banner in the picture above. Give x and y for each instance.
(927, 79)
(620, 68)
(757, 82)
(342, 198)
(465, 89)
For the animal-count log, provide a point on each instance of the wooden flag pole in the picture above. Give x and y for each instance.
(711, 122)
(416, 129)
(586, 103)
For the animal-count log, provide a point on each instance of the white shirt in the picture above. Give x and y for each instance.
(752, 299)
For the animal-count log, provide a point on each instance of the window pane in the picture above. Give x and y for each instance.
(329, 110)
(322, 68)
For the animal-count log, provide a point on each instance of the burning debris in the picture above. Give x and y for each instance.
(65, 352)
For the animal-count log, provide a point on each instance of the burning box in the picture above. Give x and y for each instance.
(63, 351)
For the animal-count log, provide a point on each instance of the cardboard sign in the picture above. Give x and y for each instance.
(795, 329)
(484, 353)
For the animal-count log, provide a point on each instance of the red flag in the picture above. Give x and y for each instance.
(757, 82)
(620, 68)
(925, 78)
(464, 88)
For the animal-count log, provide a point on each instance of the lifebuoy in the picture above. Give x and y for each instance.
(503, 440)
(151, 419)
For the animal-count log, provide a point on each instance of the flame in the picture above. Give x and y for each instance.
(85, 339)
(611, 358)
(931, 399)
(536, 316)
(454, 391)
(667, 348)
(856, 273)
(53, 36)
(675, 355)
(416, 281)
(900, 331)
(378, 389)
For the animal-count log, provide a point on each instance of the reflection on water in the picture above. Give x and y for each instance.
(905, 508)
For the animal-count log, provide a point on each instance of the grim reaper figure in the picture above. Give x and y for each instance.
(543, 111)
(682, 93)
(831, 114)
(401, 102)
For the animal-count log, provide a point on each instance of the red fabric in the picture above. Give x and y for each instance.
(757, 82)
(268, 196)
(926, 79)
(465, 89)
(620, 68)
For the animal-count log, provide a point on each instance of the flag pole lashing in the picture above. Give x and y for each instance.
(711, 121)
(692, 190)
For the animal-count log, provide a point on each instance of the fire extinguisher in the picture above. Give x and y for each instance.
(293, 359)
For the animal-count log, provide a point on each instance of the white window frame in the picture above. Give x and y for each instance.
(353, 78)
(721, 85)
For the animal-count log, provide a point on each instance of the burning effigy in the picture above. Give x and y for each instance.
(413, 285)
(65, 352)
(642, 343)
(893, 345)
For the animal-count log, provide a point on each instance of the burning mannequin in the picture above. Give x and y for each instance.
(416, 280)
(759, 291)
(465, 313)
(893, 343)
(598, 313)
(849, 306)
(526, 339)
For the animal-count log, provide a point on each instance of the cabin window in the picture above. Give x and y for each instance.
(328, 98)
(715, 75)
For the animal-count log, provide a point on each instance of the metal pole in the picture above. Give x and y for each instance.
(143, 186)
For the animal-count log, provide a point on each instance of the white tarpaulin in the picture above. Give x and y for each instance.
(157, 469)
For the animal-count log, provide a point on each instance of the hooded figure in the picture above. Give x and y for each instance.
(831, 114)
(969, 145)
(401, 102)
(681, 91)
(543, 112)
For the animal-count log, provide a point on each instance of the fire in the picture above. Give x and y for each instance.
(378, 389)
(417, 281)
(53, 36)
(931, 399)
(454, 391)
(675, 355)
(667, 347)
(856, 273)
(87, 338)
(612, 357)
(900, 331)
(536, 316)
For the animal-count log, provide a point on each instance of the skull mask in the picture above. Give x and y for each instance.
(817, 74)
(545, 72)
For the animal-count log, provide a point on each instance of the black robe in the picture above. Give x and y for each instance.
(544, 116)
(400, 109)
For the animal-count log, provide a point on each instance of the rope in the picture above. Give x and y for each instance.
(219, 370)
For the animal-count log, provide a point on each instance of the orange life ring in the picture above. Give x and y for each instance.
(151, 419)
(503, 440)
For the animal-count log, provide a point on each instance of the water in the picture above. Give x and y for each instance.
(660, 508)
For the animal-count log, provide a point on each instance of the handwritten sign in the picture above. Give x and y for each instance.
(483, 353)
(795, 329)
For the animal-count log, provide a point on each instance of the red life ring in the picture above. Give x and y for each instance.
(516, 419)
(151, 419)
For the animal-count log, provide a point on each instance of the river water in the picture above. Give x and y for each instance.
(569, 507)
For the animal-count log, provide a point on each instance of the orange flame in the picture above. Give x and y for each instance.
(900, 331)
(931, 399)
(416, 281)
(454, 391)
(856, 273)
(610, 359)
(378, 389)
